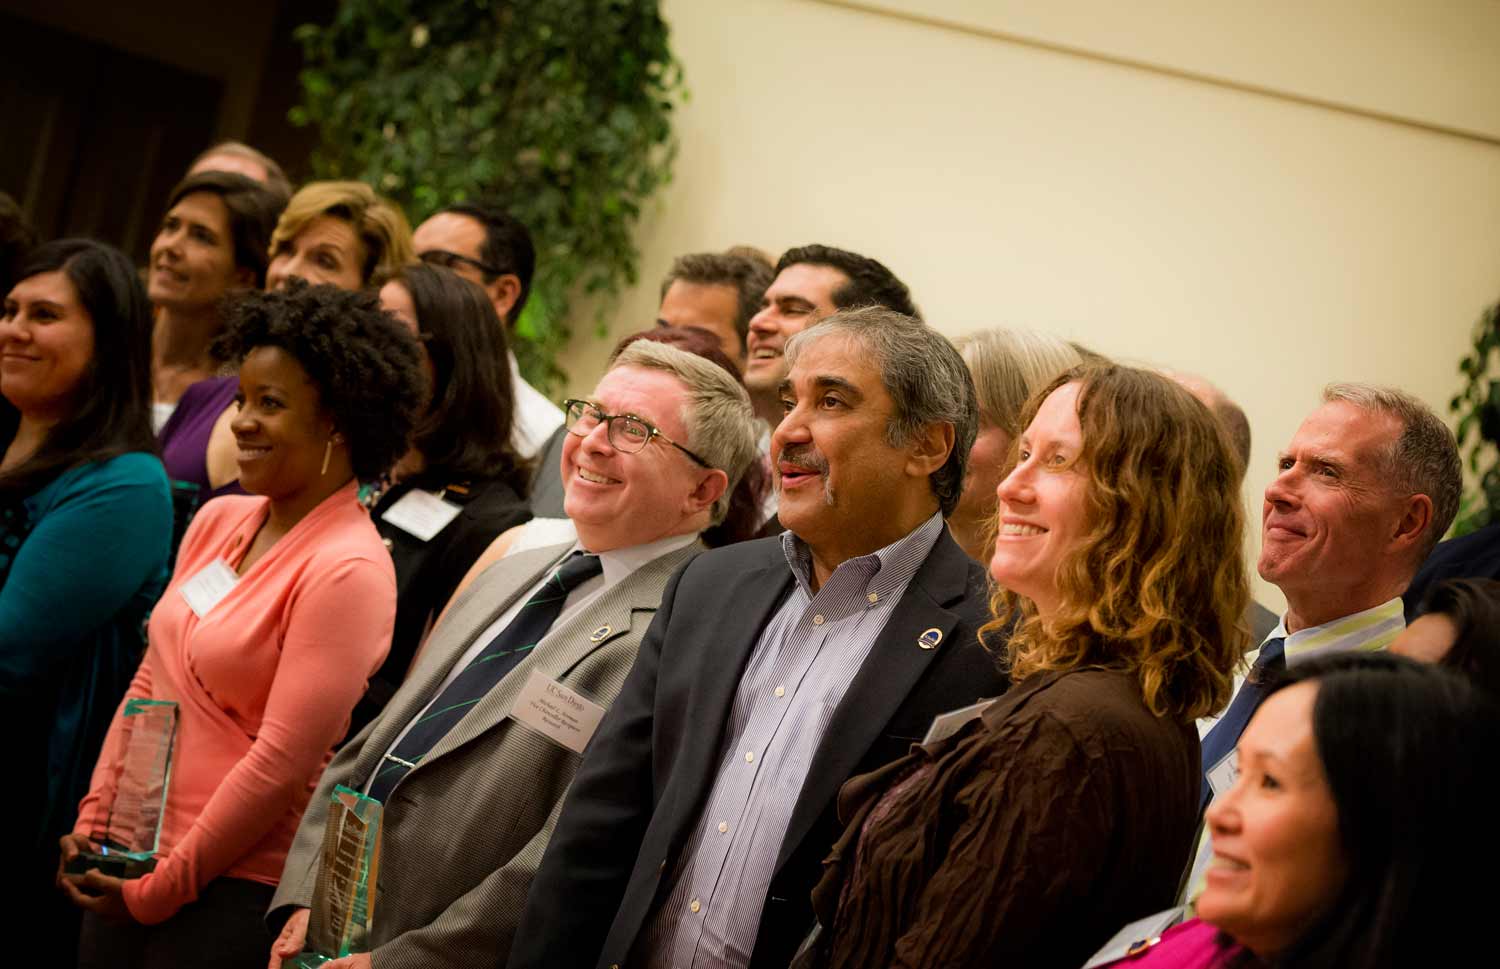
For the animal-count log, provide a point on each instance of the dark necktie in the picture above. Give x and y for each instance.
(507, 649)
(1226, 733)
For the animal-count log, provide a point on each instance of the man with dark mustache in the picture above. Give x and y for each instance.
(776, 669)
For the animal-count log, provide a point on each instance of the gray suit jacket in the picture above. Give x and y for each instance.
(464, 831)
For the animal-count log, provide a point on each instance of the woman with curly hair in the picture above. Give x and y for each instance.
(280, 608)
(1067, 807)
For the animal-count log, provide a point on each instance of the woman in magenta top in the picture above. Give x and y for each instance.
(280, 608)
(1354, 832)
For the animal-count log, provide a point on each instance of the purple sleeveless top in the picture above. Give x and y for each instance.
(184, 438)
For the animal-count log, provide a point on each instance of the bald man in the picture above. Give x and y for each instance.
(1237, 425)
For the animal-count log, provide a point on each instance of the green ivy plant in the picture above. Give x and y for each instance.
(559, 109)
(1478, 407)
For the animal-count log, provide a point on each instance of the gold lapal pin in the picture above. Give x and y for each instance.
(930, 638)
(600, 633)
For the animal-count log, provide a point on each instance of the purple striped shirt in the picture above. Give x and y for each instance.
(805, 660)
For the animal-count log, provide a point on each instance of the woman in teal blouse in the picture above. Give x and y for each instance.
(85, 524)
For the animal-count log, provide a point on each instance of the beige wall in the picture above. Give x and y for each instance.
(1268, 243)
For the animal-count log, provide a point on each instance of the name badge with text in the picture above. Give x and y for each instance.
(1221, 776)
(945, 725)
(556, 712)
(206, 589)
(421, 513)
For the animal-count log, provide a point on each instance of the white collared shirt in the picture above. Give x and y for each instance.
(536, 418)
(618, 564)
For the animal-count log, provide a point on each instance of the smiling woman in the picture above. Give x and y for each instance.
(280, 608)
(212, 244)
(84, 527)
(1337, 844)
(1068, 805)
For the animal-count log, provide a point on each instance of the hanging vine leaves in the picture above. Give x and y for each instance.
(1477, 405)
(559, 110)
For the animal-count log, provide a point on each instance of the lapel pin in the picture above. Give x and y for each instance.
(599, 634)
(930, 638)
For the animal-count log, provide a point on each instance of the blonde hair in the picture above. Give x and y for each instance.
(380, 224)
(1009, 366)
(1158, 584)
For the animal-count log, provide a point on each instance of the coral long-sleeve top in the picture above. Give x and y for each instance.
(264, 684)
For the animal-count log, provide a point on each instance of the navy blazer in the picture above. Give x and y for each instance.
(651, 765)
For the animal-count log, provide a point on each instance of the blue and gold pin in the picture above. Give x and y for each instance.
(600, 633)
(930, 638)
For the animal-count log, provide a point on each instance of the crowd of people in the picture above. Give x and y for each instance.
(876, 648)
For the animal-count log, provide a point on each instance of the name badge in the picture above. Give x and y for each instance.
(1221, 776)
(421, 513)
(561, 715)
(205, 590)
(945, 725)
(1135, 938)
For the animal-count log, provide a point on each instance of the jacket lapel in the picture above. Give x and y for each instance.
(485, 600)
(714, 665)
(895, 664)
(631, 601)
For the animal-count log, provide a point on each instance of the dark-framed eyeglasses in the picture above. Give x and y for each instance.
(626, 432)
(452, 260)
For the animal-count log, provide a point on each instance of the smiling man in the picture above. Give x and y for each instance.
(470, 778)
(776, 669)
(486, 245)
(1369, 483)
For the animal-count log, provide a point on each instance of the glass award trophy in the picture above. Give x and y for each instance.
(344, 894)
(132, 833)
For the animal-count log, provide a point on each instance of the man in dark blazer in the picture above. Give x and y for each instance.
(466, 822)
(777, 669)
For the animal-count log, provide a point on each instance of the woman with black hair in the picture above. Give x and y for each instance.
(1458, 627)
(280, 608)
(84, 526)
(1353, 831)
(214, 240)
(462, 483)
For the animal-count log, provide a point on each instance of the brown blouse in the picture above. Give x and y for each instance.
(1026, 839)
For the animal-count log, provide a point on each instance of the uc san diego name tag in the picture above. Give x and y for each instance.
(556, 712)
(421, 513)
(205, 590)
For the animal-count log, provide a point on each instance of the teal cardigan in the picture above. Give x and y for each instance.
(82, 561)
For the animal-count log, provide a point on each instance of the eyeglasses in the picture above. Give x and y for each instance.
(626, 432)
(452, 260)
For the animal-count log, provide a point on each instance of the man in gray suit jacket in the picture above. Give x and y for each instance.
(651, 458)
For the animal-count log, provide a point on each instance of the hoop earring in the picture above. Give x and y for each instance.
(327, 455)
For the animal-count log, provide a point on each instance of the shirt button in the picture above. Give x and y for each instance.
(749, 756)
(873, 597)
(723, 827)
(694, 906)
(388, 543)
(781, 691)
(818, 619)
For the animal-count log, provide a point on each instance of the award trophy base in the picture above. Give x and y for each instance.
(307, 960)
(118, 865)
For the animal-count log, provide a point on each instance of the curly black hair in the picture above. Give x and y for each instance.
(366, 365)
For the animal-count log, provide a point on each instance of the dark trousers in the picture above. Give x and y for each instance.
(225, 929)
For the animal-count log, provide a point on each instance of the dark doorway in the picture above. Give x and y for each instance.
(96, 137)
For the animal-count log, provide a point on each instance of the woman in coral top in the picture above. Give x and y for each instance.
(280, 608)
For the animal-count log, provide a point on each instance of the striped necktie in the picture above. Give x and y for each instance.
(487, 669)
(1225, 734)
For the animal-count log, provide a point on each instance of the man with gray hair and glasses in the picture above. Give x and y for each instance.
(1369, 483)
(473, 754)
(776, 669)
